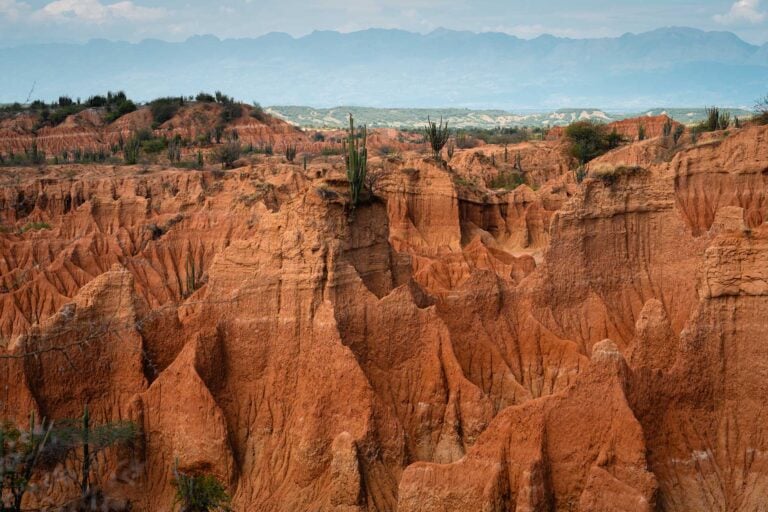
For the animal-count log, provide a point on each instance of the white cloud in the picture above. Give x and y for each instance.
(12, 9)
(93, 11)
(742, 11)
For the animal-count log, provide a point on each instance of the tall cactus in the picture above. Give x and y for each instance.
(437, 135)
(356, 158)
(667, 129)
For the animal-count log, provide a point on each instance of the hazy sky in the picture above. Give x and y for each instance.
(24, 21)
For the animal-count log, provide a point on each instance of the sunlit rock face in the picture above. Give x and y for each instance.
(445, 346)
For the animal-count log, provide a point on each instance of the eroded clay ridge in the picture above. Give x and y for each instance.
(448, 347)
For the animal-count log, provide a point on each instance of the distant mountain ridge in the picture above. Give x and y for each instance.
(377, 67)
(336, 117)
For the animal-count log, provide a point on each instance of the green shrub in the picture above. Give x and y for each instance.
(230, 112)
(131, 150)
(761, 107)
(35, 226)
(506, 180)
(163, 109)
(228, 153)
(96, 101)
(614, 139)
(121, 109)
(331, 151)
(204, 97)
(466, 141)
(60, 114)
(257, 112)
(199, 493)
(587, 139)
(153, 146)
(609, 175)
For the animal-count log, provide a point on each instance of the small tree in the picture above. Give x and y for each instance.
(199, 493)
(356, 159)
(640, 132)
(614, 139)
(81, 442)
(437, 135)
(587, 140)
(22, 455)
(228, 154)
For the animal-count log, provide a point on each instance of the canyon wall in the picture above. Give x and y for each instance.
(445, 346)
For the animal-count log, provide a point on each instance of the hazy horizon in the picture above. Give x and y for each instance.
(673, 67)
(41, 21)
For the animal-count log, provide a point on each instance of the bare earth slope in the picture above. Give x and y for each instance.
(447, 347)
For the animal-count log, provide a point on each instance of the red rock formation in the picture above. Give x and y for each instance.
(653, 126)
(559, 346)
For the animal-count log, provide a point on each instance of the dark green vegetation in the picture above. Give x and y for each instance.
(116, 104)
(163, 109)
(199, 493)
(717, 119)
(34, 226)
(66, 454)
(761, 107)
(507, 180)
(290, 152)
(589, 139)
(437, 136)
(228, 153)
(257, 112)
(356, 160)
(32, 453)
(143, 145)
(610, 176)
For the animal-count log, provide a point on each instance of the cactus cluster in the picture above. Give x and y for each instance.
(437, 135)
(667, 128)
(356, 159)
(290, 152)
(716, 120)
(131, 151)
(174, 149)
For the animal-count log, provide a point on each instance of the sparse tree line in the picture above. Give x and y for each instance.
(144, 146)
(66, 454)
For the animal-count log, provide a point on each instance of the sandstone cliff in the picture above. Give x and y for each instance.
(446, 347)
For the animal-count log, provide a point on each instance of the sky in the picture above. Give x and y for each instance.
(44, 21)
